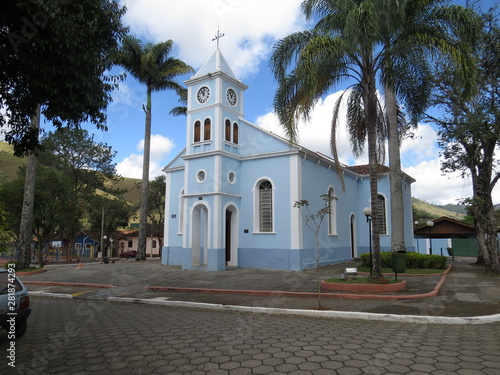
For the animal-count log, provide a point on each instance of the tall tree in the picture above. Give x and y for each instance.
(420, 31)
(344, 44)
(152, 65)
(89, 164)
(469, 134)
(48, 53)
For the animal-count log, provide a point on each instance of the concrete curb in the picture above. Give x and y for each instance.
(316, 313)
(50, 295)
(267, 293)
(297, 312)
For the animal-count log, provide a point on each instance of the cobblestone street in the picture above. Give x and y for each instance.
(93, 337)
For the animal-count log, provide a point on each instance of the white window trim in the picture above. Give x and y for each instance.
(332, 226)
(384, 221)
(197, 177)
(256, 201)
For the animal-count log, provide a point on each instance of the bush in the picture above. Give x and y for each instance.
(413, 260)
(16, 266)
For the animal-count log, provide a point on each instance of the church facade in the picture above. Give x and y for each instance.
(230, 193)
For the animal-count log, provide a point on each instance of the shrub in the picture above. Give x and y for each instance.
(413, 260)
(16, 265)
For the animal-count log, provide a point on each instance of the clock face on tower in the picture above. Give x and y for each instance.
(203, 94)
(231, 97)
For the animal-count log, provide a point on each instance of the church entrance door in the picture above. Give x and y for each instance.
(231, 236)
(354, 245)
(228, 236)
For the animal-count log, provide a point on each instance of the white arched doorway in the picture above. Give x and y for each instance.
(199, 235)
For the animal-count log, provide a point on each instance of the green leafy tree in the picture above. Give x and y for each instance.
(152, 65)
(89, 164)
(53, 60)
(115, 211)
(56, 212)
(469, 134)
(49, 53)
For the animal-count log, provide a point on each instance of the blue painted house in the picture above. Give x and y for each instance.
(230, 193)
(86, 244)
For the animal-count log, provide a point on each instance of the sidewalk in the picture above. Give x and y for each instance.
(462, 293)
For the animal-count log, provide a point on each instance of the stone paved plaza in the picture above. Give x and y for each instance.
(95, 337)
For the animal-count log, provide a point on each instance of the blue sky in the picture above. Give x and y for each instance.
(251, 27)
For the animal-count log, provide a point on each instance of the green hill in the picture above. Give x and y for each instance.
(438, 211)
(9, 164)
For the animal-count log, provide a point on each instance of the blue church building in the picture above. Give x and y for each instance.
(230, 193)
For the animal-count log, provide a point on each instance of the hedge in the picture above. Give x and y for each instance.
(413, 260)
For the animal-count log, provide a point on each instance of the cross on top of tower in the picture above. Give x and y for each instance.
(217, 37)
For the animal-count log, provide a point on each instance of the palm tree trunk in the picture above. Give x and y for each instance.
(143, 216)
(396, 178)
(26, 228)
(370, 108)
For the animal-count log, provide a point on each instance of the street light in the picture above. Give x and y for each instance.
(430, 224)
(367, 211)
(103, 249)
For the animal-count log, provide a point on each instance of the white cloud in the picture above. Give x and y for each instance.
(250, 27)
(436, 187)
(419, 155)
(315, 134)
(131, 166)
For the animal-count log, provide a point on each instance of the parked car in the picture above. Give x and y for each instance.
(128, 254)
(14, 304)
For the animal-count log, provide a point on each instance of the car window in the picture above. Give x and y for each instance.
(4, 283)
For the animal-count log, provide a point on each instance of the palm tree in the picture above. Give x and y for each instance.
(152, 65)
(343, 45)
(363, 41)
(420, 30)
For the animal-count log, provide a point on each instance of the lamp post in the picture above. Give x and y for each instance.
(367, 211)
(103, 249)
(430, 224)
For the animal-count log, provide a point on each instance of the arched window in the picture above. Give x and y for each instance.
(228, 131)
(265, 206)
(206, 130)
(235, 133)
(382, 214)
(197, 131)
(332, 212)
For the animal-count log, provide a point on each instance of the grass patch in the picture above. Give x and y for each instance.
(410, 271)
(30, 269)
(360, 280)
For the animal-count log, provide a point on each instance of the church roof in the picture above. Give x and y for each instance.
(365, 169)
(216, 63)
